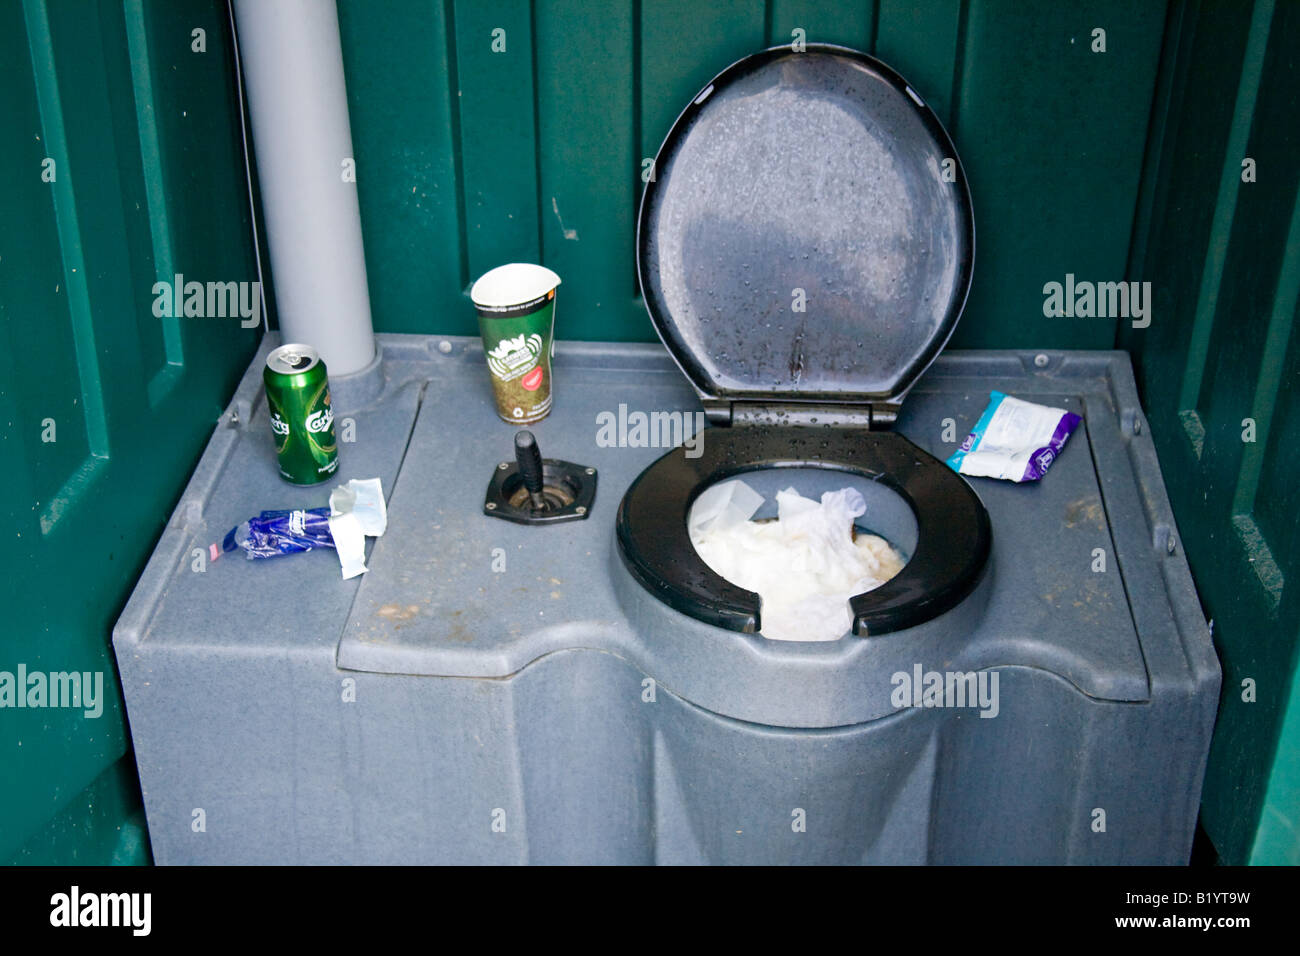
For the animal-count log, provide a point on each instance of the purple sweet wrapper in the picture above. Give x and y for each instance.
(1043, 457)
(273, 533)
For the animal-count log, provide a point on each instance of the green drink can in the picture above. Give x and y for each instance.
(302, 421)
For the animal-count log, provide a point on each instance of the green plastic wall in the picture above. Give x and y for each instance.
(488, 132)
(468, 158)
(1218, 369)
(147, 181)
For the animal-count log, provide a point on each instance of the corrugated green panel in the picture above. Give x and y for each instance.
(589, 165)
(1264, 255)
(550, 136)
(398, 62)
(1219, 366)
(494, 51)
(823, 21)
(1052, 136)
(1268, 466)
(1262, 287)
(145, 138)
(922, 42)
(1226, 194)
(1182, 182)
(683, 45)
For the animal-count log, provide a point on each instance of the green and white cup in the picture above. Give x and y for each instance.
(516, 317)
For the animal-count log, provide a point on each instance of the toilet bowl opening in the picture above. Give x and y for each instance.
(888, 513)
(806, 598)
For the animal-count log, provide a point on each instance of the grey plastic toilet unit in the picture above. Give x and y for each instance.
(590, 691)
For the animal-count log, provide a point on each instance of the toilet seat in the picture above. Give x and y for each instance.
(805, 248)
(953, 532)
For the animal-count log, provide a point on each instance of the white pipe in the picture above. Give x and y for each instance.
(298, 109)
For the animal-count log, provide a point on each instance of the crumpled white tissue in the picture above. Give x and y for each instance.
(804, 566)
(357, 509)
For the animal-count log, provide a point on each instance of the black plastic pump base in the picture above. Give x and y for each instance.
(534, 490)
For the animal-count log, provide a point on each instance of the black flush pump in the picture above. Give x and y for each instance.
(537, 490)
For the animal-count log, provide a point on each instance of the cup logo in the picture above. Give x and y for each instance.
(513, 358)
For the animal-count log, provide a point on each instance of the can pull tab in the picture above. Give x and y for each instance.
(537, 490)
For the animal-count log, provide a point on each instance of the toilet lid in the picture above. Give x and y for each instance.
(807, 234)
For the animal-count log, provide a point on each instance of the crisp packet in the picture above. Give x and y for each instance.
(1014, 440)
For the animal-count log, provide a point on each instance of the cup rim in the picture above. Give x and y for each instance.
(515, 283)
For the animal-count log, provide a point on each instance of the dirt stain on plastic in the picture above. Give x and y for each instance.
(398, 612)
(1086, 510)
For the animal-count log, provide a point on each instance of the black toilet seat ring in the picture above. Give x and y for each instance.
(954, 537)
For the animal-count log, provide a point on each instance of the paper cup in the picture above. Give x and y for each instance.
(516, 317)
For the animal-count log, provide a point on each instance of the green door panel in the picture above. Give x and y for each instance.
(1219, 367)
(1277, 842)
(104, 407)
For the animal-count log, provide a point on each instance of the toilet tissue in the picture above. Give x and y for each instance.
(804, 566)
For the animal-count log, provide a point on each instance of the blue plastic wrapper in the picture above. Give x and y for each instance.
(273, 533)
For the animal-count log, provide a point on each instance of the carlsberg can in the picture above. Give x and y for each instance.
(302, 422)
